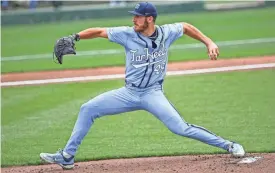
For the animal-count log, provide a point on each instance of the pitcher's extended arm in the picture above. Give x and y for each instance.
(193, 32)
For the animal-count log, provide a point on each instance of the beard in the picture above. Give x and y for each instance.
(141, 28)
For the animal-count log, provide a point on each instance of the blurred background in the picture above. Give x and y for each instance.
(34, 11)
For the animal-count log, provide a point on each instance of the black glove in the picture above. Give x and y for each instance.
(65, 46)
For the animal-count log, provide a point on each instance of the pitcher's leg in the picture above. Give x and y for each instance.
(109, 103)
(157, 104)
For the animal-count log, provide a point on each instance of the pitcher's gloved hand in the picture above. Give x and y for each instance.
(65, 46)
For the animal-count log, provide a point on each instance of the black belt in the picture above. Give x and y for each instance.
(133, 85)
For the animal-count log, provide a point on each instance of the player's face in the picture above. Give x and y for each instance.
(140, 23)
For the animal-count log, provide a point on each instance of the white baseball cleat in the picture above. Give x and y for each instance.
(236, 150)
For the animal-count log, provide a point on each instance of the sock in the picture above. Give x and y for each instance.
(66, 155)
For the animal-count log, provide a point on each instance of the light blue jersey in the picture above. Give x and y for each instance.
(145, 66)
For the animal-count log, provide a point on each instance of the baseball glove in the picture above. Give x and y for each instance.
(64, 46)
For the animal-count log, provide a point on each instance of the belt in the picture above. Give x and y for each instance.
(133, 85)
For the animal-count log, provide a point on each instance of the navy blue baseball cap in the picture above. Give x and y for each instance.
(145, 9)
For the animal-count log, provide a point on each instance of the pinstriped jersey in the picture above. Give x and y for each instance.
(146, 65)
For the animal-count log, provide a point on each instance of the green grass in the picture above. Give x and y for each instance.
(220, 26)
(235, 105)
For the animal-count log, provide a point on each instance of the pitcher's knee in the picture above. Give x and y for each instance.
(89, 110)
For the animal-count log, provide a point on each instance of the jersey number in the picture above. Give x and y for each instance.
(159, 68)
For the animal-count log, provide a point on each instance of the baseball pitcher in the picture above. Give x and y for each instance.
(146, 46)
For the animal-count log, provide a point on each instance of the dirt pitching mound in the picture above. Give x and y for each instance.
(177, 164)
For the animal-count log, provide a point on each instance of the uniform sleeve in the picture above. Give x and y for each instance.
(118, 34)
(175, 31)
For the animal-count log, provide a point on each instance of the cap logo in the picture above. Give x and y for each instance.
(137, 6)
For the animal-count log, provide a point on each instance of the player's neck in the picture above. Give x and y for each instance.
(149, 31)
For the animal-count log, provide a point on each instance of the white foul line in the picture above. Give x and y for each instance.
(120, 51)
(119, 76)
